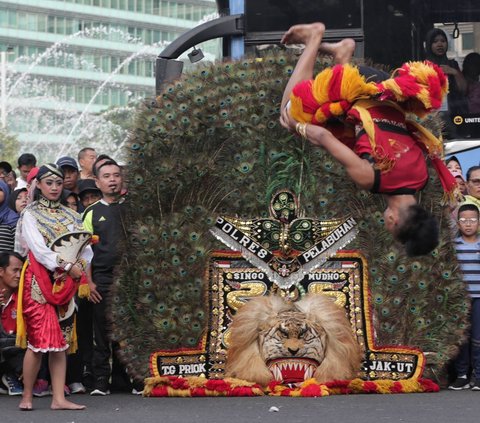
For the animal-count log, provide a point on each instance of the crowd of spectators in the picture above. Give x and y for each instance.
(93, 187)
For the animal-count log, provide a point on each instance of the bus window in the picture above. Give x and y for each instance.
(456, 48)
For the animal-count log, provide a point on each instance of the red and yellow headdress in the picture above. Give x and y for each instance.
(331, 94)
(418, 87)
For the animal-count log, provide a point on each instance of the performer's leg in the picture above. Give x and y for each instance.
(31, 366)
(311, 35)
(341, 51)
(57, 362)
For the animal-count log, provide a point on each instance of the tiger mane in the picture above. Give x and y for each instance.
(244, 357)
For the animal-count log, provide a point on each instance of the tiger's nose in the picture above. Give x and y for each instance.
(293, 351)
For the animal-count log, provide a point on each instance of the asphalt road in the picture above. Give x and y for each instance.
(443, 407)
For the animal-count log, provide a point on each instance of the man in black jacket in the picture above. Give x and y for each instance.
(105, 219)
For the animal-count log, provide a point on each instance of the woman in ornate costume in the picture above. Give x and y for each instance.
(45, 321)
(359, 115)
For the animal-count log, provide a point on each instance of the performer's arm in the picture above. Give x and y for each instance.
(360, 171)
(36, 243)
(87, 255)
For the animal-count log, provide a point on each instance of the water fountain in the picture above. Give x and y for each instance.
(53, 119)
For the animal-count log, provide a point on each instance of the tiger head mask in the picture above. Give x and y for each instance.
(272, 339)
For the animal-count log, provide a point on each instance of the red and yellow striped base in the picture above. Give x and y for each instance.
(174, 386)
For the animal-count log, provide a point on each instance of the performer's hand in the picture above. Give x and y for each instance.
(94, 296)
(286, 120)
(75, 272)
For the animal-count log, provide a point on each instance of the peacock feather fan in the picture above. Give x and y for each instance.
(212, 144)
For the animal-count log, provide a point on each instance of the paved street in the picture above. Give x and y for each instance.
(443, 407)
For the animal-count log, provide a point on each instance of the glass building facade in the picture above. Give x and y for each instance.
(99, 53)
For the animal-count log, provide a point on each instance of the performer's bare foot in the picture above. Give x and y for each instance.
(26, 404)
(341, 51)
(302, 34)
(66, 405)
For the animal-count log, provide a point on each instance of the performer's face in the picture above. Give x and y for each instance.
(391, 218)
(51, 187)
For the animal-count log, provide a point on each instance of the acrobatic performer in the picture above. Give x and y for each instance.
(363, 125)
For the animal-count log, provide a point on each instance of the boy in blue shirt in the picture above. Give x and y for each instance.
(467, 246)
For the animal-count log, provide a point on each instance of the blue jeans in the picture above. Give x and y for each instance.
(469, 354)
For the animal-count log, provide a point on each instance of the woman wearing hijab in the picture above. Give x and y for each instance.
(18, 200)
(45, 322)
(436, 47)
(8, 219)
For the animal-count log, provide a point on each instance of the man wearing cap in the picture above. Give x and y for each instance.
(88, 192)
(70, 171)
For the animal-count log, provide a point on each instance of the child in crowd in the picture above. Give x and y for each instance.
(468, 255)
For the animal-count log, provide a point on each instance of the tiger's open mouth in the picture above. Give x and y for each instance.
(292, 369)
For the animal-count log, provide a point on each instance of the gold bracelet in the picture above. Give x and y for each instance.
(297, 128)
(302, 130)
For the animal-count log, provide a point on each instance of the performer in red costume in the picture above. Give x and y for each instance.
(45, 318)
(359, 115)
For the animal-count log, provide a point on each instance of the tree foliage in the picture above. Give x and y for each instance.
(9, 147)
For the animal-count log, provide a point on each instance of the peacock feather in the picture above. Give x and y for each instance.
(212, 144)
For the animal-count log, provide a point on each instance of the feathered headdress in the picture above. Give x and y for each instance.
(418, 87)
(331, 94)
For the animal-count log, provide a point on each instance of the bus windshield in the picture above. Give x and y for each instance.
(456, 48)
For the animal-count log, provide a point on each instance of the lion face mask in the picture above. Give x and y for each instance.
(272, 339)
